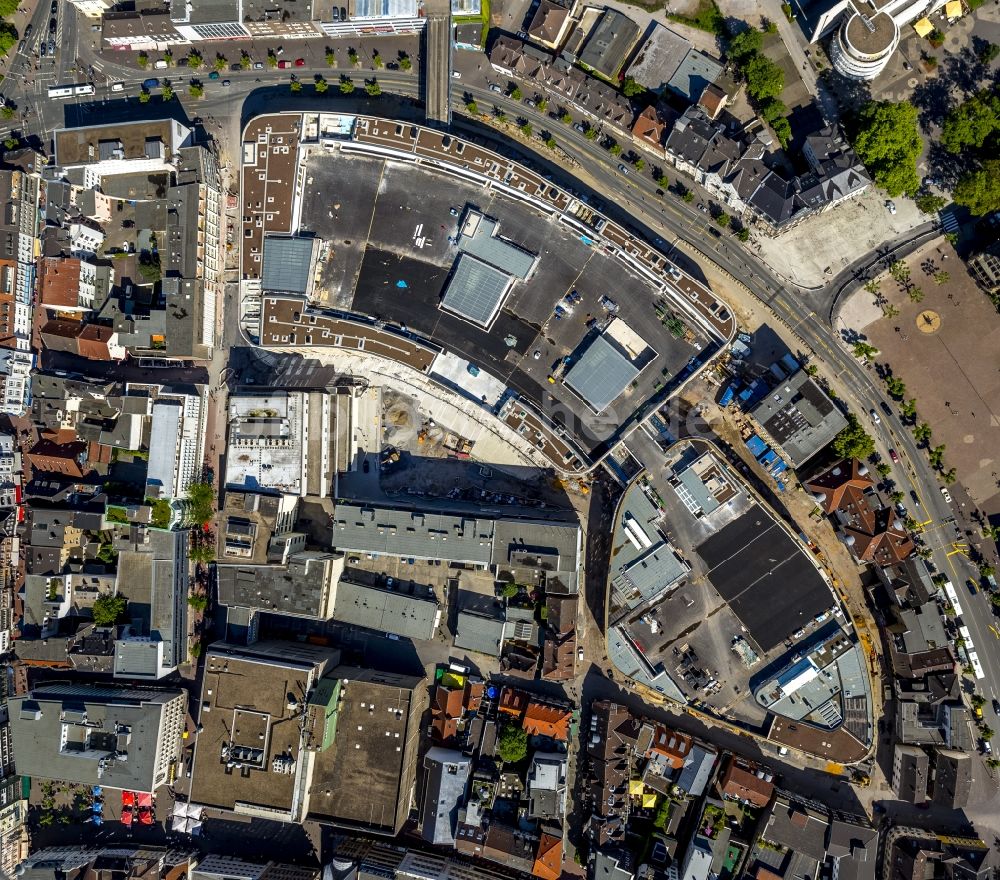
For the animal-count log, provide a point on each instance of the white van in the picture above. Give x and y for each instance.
(118, 87)
(161, 65)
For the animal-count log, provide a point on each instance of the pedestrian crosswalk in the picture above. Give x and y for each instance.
(949, 223)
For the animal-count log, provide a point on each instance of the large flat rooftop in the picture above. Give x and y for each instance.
(766, 577)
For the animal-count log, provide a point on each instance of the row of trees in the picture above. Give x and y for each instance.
(764, 79)
(972, 130)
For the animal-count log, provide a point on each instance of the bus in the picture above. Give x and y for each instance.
(71, 90)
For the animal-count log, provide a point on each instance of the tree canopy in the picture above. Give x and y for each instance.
(108, 609)
(745, 45)
(631, 88)
(764, 78)
(974, 123)
(979, 190)
(513, 744)
(853, 441)
(889, 143)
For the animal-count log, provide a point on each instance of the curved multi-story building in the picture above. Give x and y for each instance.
(863, 44)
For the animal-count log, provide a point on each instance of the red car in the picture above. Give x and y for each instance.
(300, 62)
(284, 65)
(893, 456)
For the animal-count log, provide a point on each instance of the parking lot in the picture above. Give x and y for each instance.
(391, 253)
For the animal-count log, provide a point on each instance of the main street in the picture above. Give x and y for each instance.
(807, 315)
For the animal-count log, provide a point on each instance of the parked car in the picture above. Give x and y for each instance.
(521, 35)
(284, 65)
(622, 168)
(258, 65)
(915, 497)
(300, 62)
(456, 75)
(495, 88)
(214, 74)
(875, 417)
(894, 456)
(996, 707)
(118, 87)
(946, 494)
(890, 206)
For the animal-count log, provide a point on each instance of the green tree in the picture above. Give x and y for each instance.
(352, 56)
(949, 476)
(986, 732)
(331, 57)
(142, 59)
(372, 88)
(194, 59)
(472, 107)
(988, 54)
(889, 310)
(404, 62)
(853, 441)
(509, 591)
(542, 104)
(764, 78)
(930, 203)
(196, 90)
(7, 112)
(872, 286)
(864, 350)
(888, 142)
(630, 88)
(565, 119)
(782, 129)
(245, 61)
(590, 134)
(916, 294)
(377, 62)
(167, 93)
(168, 56)
(941, 277)
(896, 497)
(986, 570)
(199, 504)
(11, 142)
(899, 271)
(744, 46)
(198, 601)
(883, 469)
(109, 609)
(550, 142)
(896, 387)
(687, 196)
(144, 97)
(615, 150)
(526, 129)
(295, 86)
(772, 109)
(640, 163)
(346, 85)
(196, 650)
(321, 85)
(515, 94)
(723, 219)
(663, 182)
(979, 190)
(512, 746)
(922, 432)
(220, 63)
(272, 59)
(744, 235)
(972, 123)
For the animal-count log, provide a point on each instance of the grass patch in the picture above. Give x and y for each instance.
(483, 17)
(706, 18)
(116, 515)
